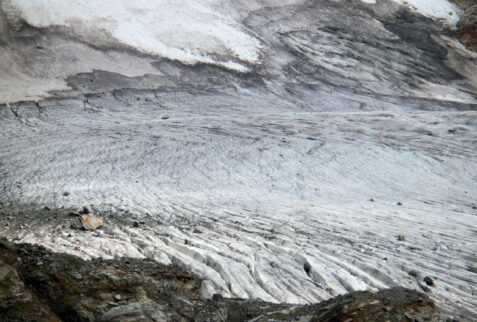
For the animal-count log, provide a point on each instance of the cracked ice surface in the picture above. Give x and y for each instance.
(259, 195)
(245, 177)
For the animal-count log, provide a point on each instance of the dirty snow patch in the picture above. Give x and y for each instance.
(440, 9)
(188, 31)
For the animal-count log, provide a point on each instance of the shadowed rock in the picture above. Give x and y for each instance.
(36, 284)
(467, 26)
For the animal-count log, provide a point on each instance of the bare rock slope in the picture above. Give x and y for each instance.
(467, 26)
(36, 284)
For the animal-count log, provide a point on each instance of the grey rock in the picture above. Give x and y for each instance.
(140, 311)
(13, 290)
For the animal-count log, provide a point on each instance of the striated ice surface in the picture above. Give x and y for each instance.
(252, 137)
(246, 198)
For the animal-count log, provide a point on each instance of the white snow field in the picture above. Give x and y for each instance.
(252, 137)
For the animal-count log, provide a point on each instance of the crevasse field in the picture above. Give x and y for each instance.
(253, 137)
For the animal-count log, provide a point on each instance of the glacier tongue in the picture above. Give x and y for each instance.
(286, 151)
(246, 199)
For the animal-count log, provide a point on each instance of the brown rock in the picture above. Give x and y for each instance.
(91, 221)
(467, 26)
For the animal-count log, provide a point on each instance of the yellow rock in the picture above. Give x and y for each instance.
(91, 221)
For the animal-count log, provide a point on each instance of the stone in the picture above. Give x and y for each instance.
(76, 276)
(467, 27)
(428, 281)
(17, 303)
(424, 287)
(91, 221)
(12, 288)
(139, 311)
(197, 230)
(401, 238)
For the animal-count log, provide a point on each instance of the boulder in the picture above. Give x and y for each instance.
(90, 221)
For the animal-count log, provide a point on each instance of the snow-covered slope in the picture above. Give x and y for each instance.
(189, 31)
(253, 137)
(60, 47)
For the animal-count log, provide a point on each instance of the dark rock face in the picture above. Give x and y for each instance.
(37, 285)
(467, 31)
(468, 28)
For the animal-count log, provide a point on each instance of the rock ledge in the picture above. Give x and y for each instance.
(38, 285)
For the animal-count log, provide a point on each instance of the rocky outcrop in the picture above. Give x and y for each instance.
(467, 26)
(37, 285)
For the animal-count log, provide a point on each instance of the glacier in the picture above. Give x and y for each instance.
(253, 137)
